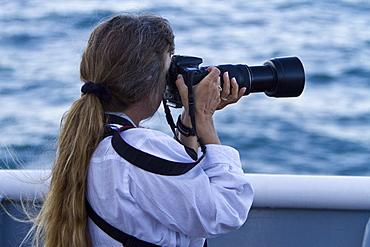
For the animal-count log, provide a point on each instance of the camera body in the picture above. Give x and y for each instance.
(277, 77)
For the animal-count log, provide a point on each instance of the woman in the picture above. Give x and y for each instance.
(124, 68)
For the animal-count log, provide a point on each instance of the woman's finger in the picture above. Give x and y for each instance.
(225, 86)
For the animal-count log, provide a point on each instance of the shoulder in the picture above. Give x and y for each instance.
(156, 143)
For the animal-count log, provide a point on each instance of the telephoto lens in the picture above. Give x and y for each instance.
(277, 77)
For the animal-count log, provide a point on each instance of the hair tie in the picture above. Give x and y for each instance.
(101, 91)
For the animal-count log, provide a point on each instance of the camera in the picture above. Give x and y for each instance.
(277, 77)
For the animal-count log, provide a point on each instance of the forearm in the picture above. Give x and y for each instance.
(206, 129)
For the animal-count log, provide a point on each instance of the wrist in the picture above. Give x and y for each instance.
(185, 119)
(183, 128)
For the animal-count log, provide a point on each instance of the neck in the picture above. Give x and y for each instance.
(138, 112)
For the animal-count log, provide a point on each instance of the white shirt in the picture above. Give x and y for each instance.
(211, 199)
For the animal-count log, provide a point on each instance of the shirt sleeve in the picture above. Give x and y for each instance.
(211, 199)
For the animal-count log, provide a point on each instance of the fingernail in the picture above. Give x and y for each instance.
(233, 79)
(227, 73)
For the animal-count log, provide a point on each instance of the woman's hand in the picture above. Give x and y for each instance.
(207, 99)
(230, 91)
(206, 93)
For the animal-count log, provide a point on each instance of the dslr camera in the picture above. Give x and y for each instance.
(277, 77)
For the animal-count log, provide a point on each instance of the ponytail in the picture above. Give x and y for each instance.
(63, 219)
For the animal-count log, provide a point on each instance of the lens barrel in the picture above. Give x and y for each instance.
(277, 77)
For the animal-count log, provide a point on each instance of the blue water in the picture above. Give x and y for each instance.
(324, 131)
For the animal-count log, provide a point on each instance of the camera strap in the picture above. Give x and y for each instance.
(125, 239)
(142, 160)
(189, 82)
(191, 105)
(191, 152)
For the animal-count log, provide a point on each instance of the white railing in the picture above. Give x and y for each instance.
(275, 191)
(315, 192)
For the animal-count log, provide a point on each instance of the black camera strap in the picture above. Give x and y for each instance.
(142, 160)
(191, 103)
(125, 239)
(191, 152)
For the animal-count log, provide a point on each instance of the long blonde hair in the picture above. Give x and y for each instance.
(126, 54)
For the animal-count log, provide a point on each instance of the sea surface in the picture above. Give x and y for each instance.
(325, 131)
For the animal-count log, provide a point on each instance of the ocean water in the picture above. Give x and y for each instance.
(324, 131)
